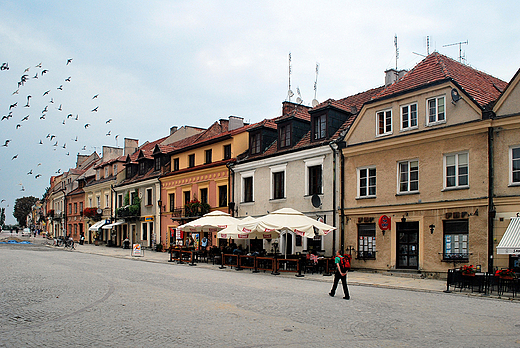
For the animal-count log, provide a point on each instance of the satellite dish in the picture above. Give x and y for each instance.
(299, 100)
(291, 93)
(99, 211)
(314, 103)
(455, 96)
(316, 201)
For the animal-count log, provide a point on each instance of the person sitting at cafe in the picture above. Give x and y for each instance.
(238, 250)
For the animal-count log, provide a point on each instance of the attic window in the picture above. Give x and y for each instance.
(157, 163)
(320, 127)
(141, 167)
(285, 135)
(255, 143)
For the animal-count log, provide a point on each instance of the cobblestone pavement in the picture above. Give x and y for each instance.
(56, 298)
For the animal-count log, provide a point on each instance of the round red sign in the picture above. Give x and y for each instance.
(384, 222)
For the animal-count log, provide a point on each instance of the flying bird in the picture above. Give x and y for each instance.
(46, 92)
(68, 153)
(63, 122)
(13, 105)
(48, 135)
(84, 148)
(2, 201)
(95, 109)
(5, 66)
(76, 138)
(42, 117)
(53, 136)
(26, 70)
(30, 172)
(87, 125)
(37, 176)
(51, 101)
(68, 79)
(65, 145)
(44, 71)
(8, 116)
(60, 88)
(26, 118)
(22, 189)
(14, 157)
(18, 126)
(94, 97)
(45, 109)
(16, 92)
(58, 171)
(27, 105)
(59, 108)
(41, 142)
(35, 76)
(39, 65)
(109, 120)
(69, 61)
(55, 144)
(108, 134)
(77, 117)
(7, 142)
(39, 164)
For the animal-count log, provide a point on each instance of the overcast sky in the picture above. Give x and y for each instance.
(158, 64)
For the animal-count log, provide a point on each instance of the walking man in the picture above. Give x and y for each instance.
(340, 274)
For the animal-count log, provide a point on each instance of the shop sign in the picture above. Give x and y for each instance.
(384, 222)
(136, 250)
(148, 218)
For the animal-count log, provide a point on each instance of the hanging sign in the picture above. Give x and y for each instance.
(384, 222)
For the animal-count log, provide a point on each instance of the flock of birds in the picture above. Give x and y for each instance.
(53, 100)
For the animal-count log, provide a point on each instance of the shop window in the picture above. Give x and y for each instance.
(456, 239)
(366, 241)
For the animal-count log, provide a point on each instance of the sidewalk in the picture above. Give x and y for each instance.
(354, 277)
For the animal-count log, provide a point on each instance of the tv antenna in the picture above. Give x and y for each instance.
(299, 100)
(315, 101)
(290, 93)
(427, 48)
(461, 57)
(396, 51)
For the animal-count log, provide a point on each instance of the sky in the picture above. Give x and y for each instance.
(157, 64)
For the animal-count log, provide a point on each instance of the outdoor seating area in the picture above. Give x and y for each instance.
(484, 283)
(274, 263)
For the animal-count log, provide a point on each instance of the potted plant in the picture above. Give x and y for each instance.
(468, 270)
(505, 274)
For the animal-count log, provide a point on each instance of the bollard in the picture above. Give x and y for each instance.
(222, 261)
(299, 274)
(256, 267)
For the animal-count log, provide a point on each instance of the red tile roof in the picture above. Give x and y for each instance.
(481, 87)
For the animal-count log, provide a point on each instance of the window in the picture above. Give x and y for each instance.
(75, 208)
(435, 109)
(107, 201)
(149, 197)
(456, 239)
(285, 135)
(408, 176)
(81, 207)
(119, 201)
(366, 241)
(145, 231)
(171, 199)
(384, 122)
(97, 174)
(367, 182)
(320, 127)
(191, 161)
(409, 116)
(255, 143)
(133, 197)
(248, 189)
(98, 199)
(70, 208)
(227, 152)
(90, 203)
(142, 167)
(515, 165)
(204, 195)
(106, 172)
(175, 164)
(187, 197)
(315, 180)
(115, 169)
(456, 170)
(157, 163)
(278, 185)
(222, 196)
(208, 154)
(128, 172)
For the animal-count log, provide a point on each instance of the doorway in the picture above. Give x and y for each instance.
(407, 245)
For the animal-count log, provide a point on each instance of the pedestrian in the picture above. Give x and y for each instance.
(340, 274)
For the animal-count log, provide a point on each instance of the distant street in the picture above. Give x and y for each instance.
(57, 298)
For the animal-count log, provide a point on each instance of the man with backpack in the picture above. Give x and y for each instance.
(342, 267)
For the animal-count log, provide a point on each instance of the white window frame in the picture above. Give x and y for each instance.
(245, 175)
(437, 120)
(457, 170)
(98, 201)
(312, 162)
(410, 126)
(368, 195)
(511, 160)
(408, 181)
(384, 113)
(277, 169)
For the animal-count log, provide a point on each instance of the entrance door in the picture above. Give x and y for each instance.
(288, 243)
(408, 245)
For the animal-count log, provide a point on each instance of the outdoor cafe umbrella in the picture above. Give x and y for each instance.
(234, 233)
(210, 222)
(287, 218)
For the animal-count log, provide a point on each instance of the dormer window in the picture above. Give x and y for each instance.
(320, 127)
(142, 167)
(255, 143)
(157, 163)
(285, 135)
(106, 172)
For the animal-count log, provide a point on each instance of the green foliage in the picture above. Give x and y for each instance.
(2, 217)
(196, 208)
(22, 208)
(133, 209)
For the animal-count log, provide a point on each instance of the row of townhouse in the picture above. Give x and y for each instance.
(427, 165)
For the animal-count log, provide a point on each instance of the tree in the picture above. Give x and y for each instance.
(22, 208)
(2, 217)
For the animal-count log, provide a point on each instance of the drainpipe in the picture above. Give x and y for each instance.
(334, 146)
(231, 192)
(342, 201)
(491, 192)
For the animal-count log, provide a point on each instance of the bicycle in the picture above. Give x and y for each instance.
(69, 244)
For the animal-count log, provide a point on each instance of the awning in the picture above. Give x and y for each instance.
(510, 242)
(97, 225)
(109, 226)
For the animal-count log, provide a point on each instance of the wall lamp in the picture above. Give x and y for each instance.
(432, 227)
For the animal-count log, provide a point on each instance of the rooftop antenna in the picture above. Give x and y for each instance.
(289, 92)
(427, 48)
(299, 100)
(396, 51)
(315, 101)
(461, 57)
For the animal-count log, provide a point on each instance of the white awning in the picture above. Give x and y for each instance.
(510, 242)
(97, 225)
(109, 226)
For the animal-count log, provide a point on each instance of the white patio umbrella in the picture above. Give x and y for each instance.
(234, 233)
(287, 218)
(210, 222)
